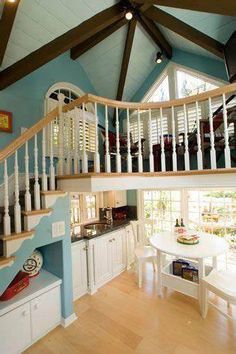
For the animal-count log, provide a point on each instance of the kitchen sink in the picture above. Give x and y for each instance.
(97, 226)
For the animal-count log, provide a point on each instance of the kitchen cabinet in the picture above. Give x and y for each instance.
(115, 199)
(79, 269)
(30, 314)
(107, 258)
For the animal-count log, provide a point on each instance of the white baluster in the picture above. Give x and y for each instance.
(52, 168)
(44, 175)
(163, 158)
(76, 141)
(199, 145)
(17, 208)
(61, 98)
(28, 206)
(68, 136)
(96, 154)
(212, 137)
(118, 157)
(151, 158)
(36, 176)
(129, 157)
(140, 157)
(174, 155)
(186, 153)
(6, 218)
(84, 156)
(107, 156)
(226, 135)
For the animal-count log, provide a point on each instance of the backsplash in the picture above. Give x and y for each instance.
(126, 212)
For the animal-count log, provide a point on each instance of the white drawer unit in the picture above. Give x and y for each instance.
(30, 314)
(15, 331)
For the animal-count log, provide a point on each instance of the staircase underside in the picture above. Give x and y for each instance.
(96, 182)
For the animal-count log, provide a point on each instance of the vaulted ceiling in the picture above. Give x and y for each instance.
(122, 46)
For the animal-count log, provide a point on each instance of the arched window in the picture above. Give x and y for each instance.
(71, 92)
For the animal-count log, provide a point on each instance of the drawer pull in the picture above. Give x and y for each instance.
(25, 313)
(113, 239)
(36, 306)
(110, 240)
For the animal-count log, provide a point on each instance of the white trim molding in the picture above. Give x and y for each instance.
(65, 322)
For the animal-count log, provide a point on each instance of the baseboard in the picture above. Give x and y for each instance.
(65, 322)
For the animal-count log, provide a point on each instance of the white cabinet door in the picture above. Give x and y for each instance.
(120, 199)
(130, 237)
(15, 332)
(45, 312)
(118, 252)
(102, 260)
(79, 270)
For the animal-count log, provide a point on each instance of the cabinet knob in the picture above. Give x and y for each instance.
(25, 313)
(110, 240)
(36, 306)
(113, 239)
(85, 248)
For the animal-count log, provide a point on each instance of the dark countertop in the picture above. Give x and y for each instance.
(90, 234)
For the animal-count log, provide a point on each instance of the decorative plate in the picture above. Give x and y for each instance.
(33, 264)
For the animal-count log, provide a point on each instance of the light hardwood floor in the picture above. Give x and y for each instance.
(122, 319)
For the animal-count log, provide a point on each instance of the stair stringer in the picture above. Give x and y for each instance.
(42, 237)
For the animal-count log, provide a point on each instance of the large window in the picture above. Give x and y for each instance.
(160, 93)
(161, 209)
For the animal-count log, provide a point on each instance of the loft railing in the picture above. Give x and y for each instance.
(158, 137)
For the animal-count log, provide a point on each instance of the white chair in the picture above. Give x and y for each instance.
(138, 252)
(221, 283)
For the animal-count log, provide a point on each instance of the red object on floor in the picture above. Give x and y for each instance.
(20, 282)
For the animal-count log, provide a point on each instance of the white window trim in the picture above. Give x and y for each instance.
(84, 219)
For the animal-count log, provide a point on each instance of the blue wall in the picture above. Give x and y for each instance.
(57, 252)
(25, 98)
(212, 67)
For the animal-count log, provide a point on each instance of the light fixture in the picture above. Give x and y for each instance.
(159, 58)
(11, 0)
(128, 15)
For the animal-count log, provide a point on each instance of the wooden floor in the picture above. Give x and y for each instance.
(121, 319)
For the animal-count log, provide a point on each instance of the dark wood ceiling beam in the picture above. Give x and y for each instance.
(6, 24)
(221, 7)
(82, 48)
(156, 35)
(60, 45)
(186, 31)
(126, 58)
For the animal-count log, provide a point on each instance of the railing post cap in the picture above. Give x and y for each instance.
(61, 97)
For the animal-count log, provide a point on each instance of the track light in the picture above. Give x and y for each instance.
(159, 58)
(11, 0)
(128, 15)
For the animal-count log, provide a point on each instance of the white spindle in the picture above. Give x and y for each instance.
(186, 152)
(151, 159)
(96, 154)
(17, 208)
(212, 137)
(44, 175)
(76, 141)
(174, 155)
(6, 218)
(107, 156)
(118, 157)
(140, 157)
(199, 145)
(51, 168)
(84, 156)
(36, 176)
(68, 136)
(129, 157)
(163, 158)
(226, 135)
(28, 206)
(61, 135)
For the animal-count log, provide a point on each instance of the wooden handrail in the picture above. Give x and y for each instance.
(28, 134)
(89, 98)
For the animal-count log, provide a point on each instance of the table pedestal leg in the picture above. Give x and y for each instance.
(159, 270)
(201, 274)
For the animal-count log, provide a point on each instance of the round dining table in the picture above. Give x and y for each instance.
(209, 246)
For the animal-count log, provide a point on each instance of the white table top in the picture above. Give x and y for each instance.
(208, 246)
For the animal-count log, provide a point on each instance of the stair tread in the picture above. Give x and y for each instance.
(37, 212)
(5, 260)
(15, 236)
